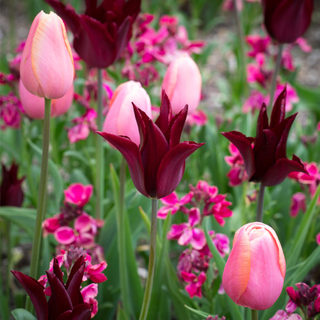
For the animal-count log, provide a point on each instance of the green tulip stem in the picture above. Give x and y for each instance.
(41, 208)
(260, 203)
(99, 154)
(274, 77)
(242, 60)
(122, 240)
(152, 260)
(254, 314)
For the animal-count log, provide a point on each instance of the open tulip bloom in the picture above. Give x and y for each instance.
(157, 165)
(267, 161)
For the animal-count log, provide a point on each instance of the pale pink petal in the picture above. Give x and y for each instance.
(186, 237)
(194, 216)
(198, 240)
(65, 235)
(176, 231)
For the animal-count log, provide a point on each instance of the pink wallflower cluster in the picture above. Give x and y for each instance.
(311, 180)
(194, 261)
(85, 227)
(260, 71)
(150, 45)
(93, 272)
(10, 111)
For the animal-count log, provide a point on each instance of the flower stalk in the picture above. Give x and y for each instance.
(254, 314)
(152, 260)
(260, 203)
(41, 208)
(99, 154)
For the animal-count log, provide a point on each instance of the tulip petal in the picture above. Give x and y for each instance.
(123, 36)
(165, 115)
(59, 301)
(35, 291)
(279, 109)
(171, 168)
(236, 272)
(80, 312)
(57, 271)
(74, 269)
(131, 153)
(243, 144)
(279, 171)
(74, 287)
(262, 123)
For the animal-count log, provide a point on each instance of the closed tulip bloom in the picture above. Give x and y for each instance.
(46, 66)
(34, 105)
(254, 273)
(120, 119)
(287, 20)
(182, 83)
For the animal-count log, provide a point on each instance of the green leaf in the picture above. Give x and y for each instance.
(54, 172)
(234, 309)
(22, 314)
(198, 312)
(23, 217)
(299, 238)
(121, 314)
(14, 154)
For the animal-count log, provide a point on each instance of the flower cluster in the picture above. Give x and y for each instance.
(150, 46)
(194, 261)
(85, 227)
(10, 111)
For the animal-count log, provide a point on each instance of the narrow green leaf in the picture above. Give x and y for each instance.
(22, 314)
(234, 309)
(23, 217)
(199, 313)
(14, 154)
(299, 238)
(121, 314)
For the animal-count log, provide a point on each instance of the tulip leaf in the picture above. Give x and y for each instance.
(22, 314)
(23, 217)
(303, 229)
(198, 312)
(121, 315)
(234, 309)
(54, 172)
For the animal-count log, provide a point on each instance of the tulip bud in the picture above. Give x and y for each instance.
(280, 14)
(120, 119)
(182, 83)
(254, 273)
(34, 105)
(46, 66)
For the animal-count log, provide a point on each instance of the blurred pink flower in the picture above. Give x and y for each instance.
(173, 204)
(303, 44)
(318, 126)
(78, 194)
(298, 202)
(318, 238)
(195, 283)
(199, 118)
(254, 102)
(287, 59)
(222, 243)
(192, 260)
(228, 5)
(10, 111)
(186, 233)
(88, 294)
(256, 71)
(258, 44)
(282, 315)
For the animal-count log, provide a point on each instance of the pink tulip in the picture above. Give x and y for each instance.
(34, 105)
(120, 119)
(254, 273)
(182, 83)
(46, 66)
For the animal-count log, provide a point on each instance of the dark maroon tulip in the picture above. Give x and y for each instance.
(267, 162)
(157, 166)
(287, 20)
(66, 301)
(101, 33)
(10, 190)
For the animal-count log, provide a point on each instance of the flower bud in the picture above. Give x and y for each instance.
(254, 273)
(120, 119)
(34, 105)
(46, 66)
(182, 83)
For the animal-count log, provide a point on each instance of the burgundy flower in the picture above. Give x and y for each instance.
(10, 189)
(280, 14)
(267, 162)
(101, 33)
(157, 166)
(66, 302)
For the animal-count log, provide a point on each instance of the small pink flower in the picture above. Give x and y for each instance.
(287, 59)
(198, 118)
(10, 111)
(173, 204)
(88, 294)
(50, 225)
(282, 315)
(303, 44)
(193, 260)
(78, 194)
(298, 202)
(258, 44)
(254, 102)
(195, 283)
(256, 72)
(94, 272)
(221, 241)
(186, 233)
(318, 238)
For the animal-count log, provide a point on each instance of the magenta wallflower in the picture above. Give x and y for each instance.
(88, 294)
(173, 204)
(187, 233)
(298, 202)
(10, 111)
(267, 161)
(11, 193)
(258, 44)
(254, 102)
(199, 118)
(101, 33)
(222, 243)
(282, 315)
(78, 194)
(256, 71)
(194, 283)
(66, 300)
(192, 260)
(157, 165)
